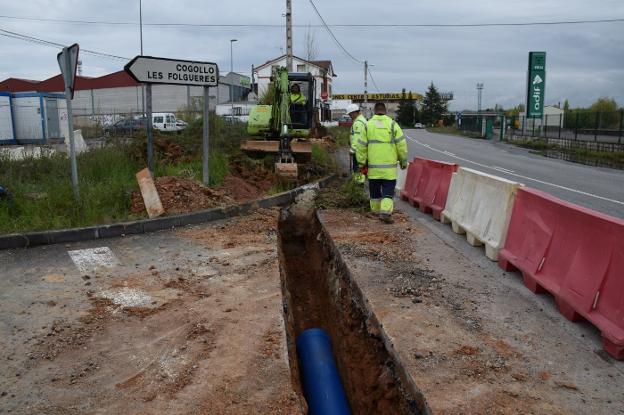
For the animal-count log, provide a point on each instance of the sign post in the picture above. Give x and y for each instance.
(151, 70)
(536, 85)
(68, 62)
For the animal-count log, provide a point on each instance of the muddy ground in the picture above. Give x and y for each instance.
(474, 342)
(190, 322)
(185, 322)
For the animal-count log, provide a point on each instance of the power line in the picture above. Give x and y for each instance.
(346, 52)
(43, 42)
(373, 79)
(353, 25)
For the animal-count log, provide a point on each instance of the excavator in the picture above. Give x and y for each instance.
(284, 128)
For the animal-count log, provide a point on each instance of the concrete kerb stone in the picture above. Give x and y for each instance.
(49, 237)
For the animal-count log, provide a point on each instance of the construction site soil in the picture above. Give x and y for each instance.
(184, 194)
(191, 321)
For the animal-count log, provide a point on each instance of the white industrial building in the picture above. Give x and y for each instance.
(553, 117)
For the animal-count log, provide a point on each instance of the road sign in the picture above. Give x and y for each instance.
(536, 84)
(68, 70)
(151, 70)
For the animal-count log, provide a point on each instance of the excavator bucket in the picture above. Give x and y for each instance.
(287, 171)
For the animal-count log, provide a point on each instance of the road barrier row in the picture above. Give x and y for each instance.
(574, 253)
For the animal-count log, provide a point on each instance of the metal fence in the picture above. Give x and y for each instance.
(577, 125)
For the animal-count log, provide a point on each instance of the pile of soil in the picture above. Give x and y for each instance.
(182, 195)
(239, 189)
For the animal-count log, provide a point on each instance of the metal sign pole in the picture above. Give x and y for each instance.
(150, 137)
(70, 126)
(206, 148)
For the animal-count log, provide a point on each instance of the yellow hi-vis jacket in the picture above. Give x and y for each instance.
(297, 99)
(358, 130)
(382, 146)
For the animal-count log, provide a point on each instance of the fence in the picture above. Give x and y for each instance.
(577, 125)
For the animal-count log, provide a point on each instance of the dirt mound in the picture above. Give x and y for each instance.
(239, 189)
(182, 195)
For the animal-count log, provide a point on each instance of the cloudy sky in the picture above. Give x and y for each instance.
(584, 61)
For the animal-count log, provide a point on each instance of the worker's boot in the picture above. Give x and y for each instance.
(386, 218)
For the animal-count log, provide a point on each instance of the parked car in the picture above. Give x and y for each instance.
(345, 121)
(418, 125)
(126, 126)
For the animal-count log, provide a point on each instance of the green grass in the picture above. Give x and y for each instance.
(322, 160)
(537, 144)
(43, 196)
(341, 135)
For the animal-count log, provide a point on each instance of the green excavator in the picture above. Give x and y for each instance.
(284, 127)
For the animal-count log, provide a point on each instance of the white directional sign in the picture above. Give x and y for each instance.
(151, 70)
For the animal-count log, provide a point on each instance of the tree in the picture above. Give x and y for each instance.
(434, 107)
(566, 106)
(311, 48)
(608, 109)
(406, 114)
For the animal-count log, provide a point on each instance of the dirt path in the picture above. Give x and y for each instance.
(471, 344)
(189, 322)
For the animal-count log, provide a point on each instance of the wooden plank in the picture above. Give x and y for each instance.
(150, 194)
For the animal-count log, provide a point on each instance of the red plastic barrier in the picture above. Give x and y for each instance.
(574, 253)
(414, 171)
(432, 190)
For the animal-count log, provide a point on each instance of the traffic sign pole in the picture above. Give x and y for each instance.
(68, 61)
(206, 138)
(150, 136)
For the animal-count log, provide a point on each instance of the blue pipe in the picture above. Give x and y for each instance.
(322, 386)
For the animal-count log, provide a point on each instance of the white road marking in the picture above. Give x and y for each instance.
(619, 202)
(448, 152)
(504, 170)
(86, 260)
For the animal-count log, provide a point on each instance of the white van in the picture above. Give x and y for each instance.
(165, 121)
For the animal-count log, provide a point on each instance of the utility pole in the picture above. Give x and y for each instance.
(289, 53)
(366, 88)
(479, 91)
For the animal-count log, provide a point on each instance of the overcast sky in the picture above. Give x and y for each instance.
(584, 61)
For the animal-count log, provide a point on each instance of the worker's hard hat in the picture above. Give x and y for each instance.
(352, 108)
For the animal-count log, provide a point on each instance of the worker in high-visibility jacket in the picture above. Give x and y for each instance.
(381, 148)
(358, 128)
(296, 97)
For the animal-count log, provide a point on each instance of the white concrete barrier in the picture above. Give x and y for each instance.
(479, 205)
(400, 184)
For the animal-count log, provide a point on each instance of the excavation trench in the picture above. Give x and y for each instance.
(319, 291)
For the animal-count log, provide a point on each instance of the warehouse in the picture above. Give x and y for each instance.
(118, 93)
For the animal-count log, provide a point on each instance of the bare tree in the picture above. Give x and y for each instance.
(311, 47)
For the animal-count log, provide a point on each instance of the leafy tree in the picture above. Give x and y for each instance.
(406, 114)
(434, 107)
(566, 106)
(608, 117)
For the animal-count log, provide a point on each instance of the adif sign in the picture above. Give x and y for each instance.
(536, 84)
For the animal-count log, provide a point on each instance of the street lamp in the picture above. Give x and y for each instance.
(232, 74)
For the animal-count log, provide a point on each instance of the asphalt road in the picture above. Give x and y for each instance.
(597, 188)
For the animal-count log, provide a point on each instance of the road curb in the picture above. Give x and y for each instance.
(112, 230)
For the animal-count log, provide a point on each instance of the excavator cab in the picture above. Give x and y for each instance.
(285, 121)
